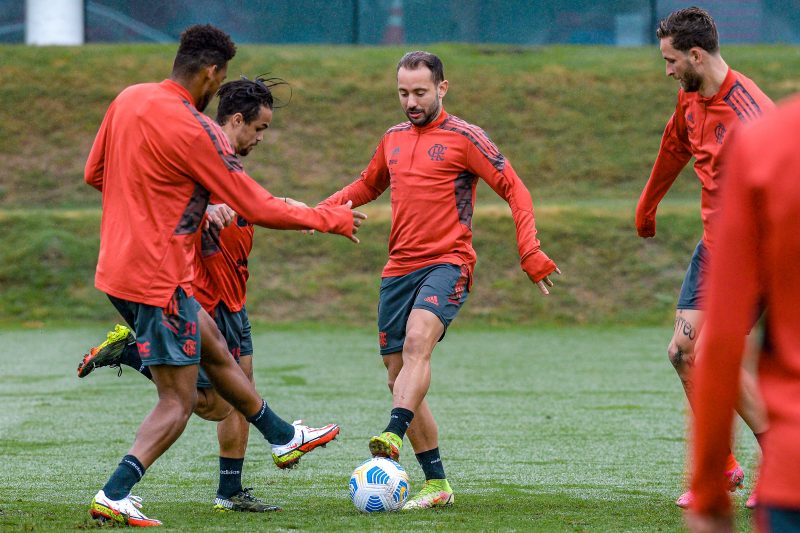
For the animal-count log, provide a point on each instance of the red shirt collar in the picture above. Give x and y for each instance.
(727, 83)
(435, 124)
(177, 88)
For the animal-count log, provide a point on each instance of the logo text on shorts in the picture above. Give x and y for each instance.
(190, 348)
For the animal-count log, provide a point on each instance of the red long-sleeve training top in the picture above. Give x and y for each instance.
(699, 127)
(156, 160)
(432, 172)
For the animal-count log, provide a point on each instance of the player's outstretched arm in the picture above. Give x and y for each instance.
(539, 269)
(673, 154)
(358, 219)
(503, 179)
(216, 168)
(298, 203)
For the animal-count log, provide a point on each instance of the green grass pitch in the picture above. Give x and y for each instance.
(568, 429)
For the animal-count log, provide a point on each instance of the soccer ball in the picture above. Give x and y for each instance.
(379, 484)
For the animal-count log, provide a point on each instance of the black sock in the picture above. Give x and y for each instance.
(230, 477)
(431, 464)
(275, 429)
(399, 420)
(130, 357)
(127, 474)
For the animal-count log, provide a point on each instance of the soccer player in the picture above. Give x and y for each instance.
(244, 113)
(432, 164)
(157, 159)
(712, 101)
(755, 263)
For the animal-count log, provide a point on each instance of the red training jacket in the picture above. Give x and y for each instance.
(221, 266)
(432, 172)
(156, 159)
(699, 127)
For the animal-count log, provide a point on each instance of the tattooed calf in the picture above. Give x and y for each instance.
(685, 327)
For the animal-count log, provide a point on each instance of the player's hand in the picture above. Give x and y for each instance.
(646, 230)
(645, 225)
(219, 215)
(547, 282)
(358, 218)
(298, 203)
(707, 523)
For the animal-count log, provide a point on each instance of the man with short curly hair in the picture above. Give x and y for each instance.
(157, 160)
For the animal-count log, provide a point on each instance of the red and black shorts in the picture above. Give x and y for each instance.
(168, 336)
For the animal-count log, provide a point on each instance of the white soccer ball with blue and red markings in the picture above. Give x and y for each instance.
(379, 484)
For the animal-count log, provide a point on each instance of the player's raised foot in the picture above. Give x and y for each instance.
(305, 439)
(684, 500)
(434, 493)
(125, 511)
(243, 502)
(387, 444)
(109, 352)
(735, 477)
(752, 501)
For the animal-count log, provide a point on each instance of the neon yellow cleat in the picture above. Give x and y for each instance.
(109, 352)
(387, 444)
(434, 493)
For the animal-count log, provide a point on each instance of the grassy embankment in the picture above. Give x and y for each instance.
(580, 125)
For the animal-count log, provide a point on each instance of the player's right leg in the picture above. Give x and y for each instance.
(409, 387)
(683, 348)
(169, 338)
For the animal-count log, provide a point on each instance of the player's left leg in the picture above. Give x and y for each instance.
(232, 434)
(751, 405)
(423, 434)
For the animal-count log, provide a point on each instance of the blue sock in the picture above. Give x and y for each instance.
(431, 464)
(399, 421)
(230, 477)
(128, 473)
(275, 429)
(131, 358)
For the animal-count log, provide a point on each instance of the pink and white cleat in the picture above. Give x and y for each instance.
(735, 478)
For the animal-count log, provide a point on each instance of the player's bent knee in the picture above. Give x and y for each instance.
(681, 355)
(211, 407)
(416, 346)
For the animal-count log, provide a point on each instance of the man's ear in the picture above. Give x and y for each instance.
(442, 89)
(696, 55)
